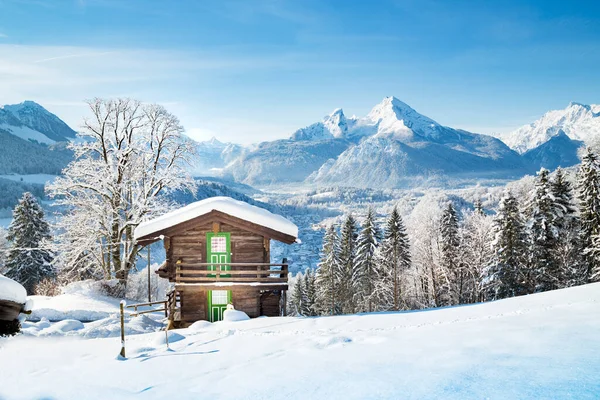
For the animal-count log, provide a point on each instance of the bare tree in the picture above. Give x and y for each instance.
(128, 157)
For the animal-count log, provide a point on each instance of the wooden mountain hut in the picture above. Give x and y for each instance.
(218, 253)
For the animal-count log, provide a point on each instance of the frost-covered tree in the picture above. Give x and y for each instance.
(4, 245)
(297, 299)
(348, 238)
(567, 251)
(29, 259)
(365, 264)
(544, 270)
(130, 156)
(393, 260)
(327, 279)
(309, 307)
(507, 275)
(588, 190)
(423, 225)
(476, 235)
(451, 288)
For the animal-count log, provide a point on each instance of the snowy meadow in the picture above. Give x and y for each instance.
(542, 346)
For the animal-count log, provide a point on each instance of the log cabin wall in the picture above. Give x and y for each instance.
(252, 301)
(247, 247)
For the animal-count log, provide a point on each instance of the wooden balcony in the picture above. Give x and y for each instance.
(233, 273)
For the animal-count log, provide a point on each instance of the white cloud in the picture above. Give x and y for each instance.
(3, 35)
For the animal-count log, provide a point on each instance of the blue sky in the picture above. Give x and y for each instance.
(248, 71)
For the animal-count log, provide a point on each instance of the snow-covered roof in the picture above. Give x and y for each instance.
(12, 291)
(227, 205)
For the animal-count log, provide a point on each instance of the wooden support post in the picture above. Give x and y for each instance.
(122, 307)
(149, 290)
(284, 303)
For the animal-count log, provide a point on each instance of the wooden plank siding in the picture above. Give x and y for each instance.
(185, 248)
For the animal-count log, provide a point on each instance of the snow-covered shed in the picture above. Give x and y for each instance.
(218, 253)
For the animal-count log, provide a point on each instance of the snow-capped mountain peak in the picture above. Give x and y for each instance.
(578, 121)
(334, 125)
(394, 118)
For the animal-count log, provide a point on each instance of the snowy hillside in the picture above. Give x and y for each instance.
(32, 140)
(542, 346)
(392, 146)
(577, 121)
(283, 161)
(36, 118)
(558, 151)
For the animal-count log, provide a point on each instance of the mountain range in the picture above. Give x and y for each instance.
(392, 146)
(396, 146)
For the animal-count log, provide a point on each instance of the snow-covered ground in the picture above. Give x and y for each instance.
(544, 346)
(41, 179)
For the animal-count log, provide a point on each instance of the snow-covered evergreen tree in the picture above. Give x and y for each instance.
(451, 288)
(298, 295)
(309, 307)
(544, 272)
(348, 238)
(567, 251)
(393, 260)
(327, 280)
(364, 275)
(4, 245)
(507, 276)
(29, 260)
(588, 188)
(479, 207)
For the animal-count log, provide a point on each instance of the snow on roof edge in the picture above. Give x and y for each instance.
(227, 205)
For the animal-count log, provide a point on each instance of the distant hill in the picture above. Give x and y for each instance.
(33, 140)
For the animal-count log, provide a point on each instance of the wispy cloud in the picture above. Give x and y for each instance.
(74, 56)
(3, 35)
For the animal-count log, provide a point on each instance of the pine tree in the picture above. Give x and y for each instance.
(567, 252)
(327, 280)
(479, 207)
(4, 245)
(298, 295)
(393, 260)
(450, 290)
(506, 276)
(28, 262)
(365, 269)
(310, 298)
(544, 270)
(588, 188)
(349, 237)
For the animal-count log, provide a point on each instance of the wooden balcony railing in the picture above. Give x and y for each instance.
(188, 272)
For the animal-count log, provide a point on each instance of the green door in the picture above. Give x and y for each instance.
(217, 304)
(218, 252)
(218, 249)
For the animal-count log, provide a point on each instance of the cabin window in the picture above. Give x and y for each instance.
(218, 244)
(220, 297)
